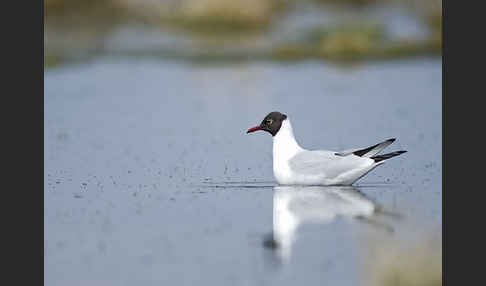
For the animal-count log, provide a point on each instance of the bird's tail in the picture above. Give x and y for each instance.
(387, 156)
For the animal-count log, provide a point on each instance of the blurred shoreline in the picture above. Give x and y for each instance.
(215, 30)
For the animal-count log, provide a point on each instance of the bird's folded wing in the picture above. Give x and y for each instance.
(367, 152)
(347, 152)
(323, 163)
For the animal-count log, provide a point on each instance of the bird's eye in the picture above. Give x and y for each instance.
(269, 121)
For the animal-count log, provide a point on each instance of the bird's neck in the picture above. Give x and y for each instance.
(284, 144)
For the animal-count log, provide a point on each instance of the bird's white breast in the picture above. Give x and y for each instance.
(284, 148)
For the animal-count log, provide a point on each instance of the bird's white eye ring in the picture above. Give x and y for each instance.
(269, 121)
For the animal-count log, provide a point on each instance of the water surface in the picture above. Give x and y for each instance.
(151, 179)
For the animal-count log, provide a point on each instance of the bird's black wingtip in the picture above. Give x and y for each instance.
(380, 158)
(391, 140)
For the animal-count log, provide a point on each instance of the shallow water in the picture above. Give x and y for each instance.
(151, 179)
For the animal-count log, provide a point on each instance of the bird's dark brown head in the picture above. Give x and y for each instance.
(271, 123)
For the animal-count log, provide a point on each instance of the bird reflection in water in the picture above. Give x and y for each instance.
(296, 205)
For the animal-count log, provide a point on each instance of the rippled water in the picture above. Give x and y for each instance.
(150, 178)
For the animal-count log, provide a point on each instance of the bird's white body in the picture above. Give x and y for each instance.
(293, 165)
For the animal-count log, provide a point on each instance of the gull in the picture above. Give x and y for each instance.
(294, 165)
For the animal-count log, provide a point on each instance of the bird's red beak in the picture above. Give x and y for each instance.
(253, 129)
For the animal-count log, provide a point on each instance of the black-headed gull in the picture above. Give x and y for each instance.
(294, 165)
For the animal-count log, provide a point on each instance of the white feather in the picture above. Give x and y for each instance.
(293, 165)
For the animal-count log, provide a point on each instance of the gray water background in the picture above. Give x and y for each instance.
(151, 179)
